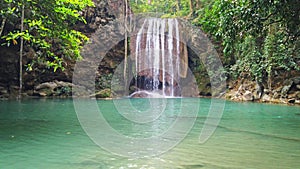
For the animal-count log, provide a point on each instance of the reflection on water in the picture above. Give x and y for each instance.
(47, 134)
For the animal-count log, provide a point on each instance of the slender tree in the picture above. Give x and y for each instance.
(21, 52)
(125, 11)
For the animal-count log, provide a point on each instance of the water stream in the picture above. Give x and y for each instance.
(157, 56)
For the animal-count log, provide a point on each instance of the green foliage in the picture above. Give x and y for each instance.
(261, 35)
(48, 26)
(63, 91)
(104, 81)
(169, 8)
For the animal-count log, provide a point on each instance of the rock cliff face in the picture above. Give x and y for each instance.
(104, 26)
(97, 17)
(8, 71)
(285, 91)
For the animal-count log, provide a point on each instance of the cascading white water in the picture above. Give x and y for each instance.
(157, 55)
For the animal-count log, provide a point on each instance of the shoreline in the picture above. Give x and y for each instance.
(259, 101)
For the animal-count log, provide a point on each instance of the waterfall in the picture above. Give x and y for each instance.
(157, 56)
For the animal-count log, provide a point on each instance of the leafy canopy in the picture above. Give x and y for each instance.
(170, 8)
(49, 28)
(260, 36)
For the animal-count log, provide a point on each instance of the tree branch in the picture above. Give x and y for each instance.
(266, 18)
(2, 26)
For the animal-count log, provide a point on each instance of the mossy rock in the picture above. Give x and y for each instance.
(105, 93)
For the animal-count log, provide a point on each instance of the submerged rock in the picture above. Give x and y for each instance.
(146, 94)
(105, 93)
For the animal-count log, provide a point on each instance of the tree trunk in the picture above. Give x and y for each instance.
(21, 54)
(259, 89)
(191, 8)
(126, 44)
(272, 31)
(198, 4)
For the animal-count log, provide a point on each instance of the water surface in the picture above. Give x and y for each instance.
(47, 134)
